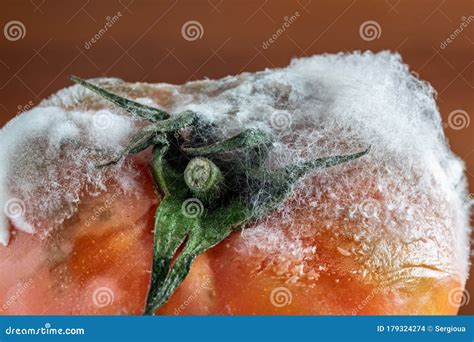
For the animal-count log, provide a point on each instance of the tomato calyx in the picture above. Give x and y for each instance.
(210, 185)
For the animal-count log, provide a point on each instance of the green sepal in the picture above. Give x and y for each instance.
(170, 229)
(135, 108)
(154, 134)
(278, 184)
(248, 139)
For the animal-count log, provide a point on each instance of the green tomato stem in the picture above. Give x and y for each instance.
(204, 179)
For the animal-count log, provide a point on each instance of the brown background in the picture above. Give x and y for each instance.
(146, 44)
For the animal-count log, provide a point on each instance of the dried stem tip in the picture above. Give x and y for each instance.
(203, 178)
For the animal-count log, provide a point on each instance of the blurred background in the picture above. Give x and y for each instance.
(172, 41)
